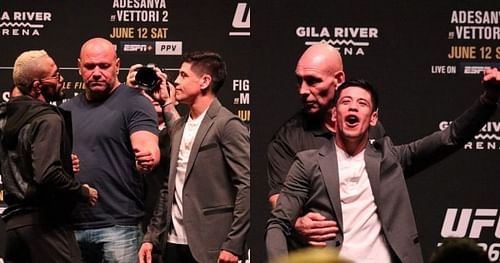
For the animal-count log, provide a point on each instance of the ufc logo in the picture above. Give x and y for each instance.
(241, 17)
(241, 20)
(477, 220)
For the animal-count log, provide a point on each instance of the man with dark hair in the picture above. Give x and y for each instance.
(203, 213)
(459, 250)
(37, 168)
(361, 185)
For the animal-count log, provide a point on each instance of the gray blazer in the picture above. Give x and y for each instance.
(313, 185)
(216, 194)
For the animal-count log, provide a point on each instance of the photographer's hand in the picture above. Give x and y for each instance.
(161, 94)
(131, 75)
(166, 96)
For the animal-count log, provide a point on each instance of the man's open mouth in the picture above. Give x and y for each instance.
(352, 120)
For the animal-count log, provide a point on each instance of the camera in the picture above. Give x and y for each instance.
(146, 78)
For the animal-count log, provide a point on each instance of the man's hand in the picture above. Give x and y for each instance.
(227, 257)
(316, 229)
(273, 200)
(93, 195)
(164, 92)
(145, 252)
(145, 160)
(76, 163)
(491, 82)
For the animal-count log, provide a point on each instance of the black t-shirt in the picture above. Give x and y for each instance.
(299, 133)
(101, 139)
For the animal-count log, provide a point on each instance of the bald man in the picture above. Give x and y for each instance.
(319, 72)
(116, 137)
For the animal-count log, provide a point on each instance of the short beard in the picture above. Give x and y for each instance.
(97, 96)
(56, 96)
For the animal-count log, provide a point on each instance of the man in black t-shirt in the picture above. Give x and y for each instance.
(116, 138)
(319, 72)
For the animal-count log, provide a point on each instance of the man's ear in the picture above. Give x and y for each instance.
(36, 88)
(339, 77)
(374, 118)
(117, 66)
(333, 117)
(79, 66)
(205, 81)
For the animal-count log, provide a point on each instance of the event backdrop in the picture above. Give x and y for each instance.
(425, 57)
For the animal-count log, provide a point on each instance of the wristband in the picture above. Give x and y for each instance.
(168, 102)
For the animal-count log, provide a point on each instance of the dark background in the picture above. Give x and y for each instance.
(412, 37)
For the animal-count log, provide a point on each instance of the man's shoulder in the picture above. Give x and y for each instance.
(130, 102)
(302, 122)
(308, 159)
(220, 113)
(129, 94)
(125, 90)
(49, 116)
(302, 130)
(70, 102)
(50, 112)
(377, 131)
(308, 154)
(229, 121)
(225, 112)
(297, 120)
(324, 150)
(178, 124)
(293, 125)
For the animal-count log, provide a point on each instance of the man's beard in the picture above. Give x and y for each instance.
(53, 96)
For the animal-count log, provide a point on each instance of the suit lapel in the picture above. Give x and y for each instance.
(372, 161)
(175, 141)
(330, 172)
(205, 125)
(177, 132)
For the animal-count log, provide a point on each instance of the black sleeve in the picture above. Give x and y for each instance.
(280, 157)
(422, 153)
(47, 162)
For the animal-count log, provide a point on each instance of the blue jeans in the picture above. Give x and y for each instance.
(110, 244)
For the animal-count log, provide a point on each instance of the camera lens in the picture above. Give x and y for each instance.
(146, 78)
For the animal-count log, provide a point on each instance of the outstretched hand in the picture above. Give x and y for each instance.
(491, 82)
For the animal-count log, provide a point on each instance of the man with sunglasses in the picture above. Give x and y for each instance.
(36, 165)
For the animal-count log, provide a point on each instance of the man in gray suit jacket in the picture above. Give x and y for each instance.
(361, 184)
(203, 213)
